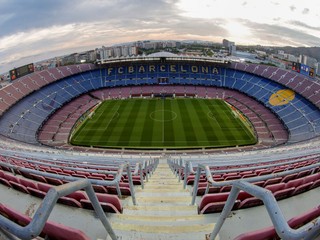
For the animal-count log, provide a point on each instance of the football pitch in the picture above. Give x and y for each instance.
(164, 124)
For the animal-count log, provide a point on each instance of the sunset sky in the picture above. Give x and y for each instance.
(32, 30)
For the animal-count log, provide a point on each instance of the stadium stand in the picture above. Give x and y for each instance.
(40, 110)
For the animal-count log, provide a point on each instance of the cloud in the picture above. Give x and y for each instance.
(292, 8)
(305, 11)
(33, 29)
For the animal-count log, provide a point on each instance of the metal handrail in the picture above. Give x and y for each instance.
(34, 228)
(211, 182)
(114, 182)
(280, 224)
(268, 164)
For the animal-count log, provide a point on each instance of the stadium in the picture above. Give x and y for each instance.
(161, 146)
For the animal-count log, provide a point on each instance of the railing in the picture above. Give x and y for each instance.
(34, 228)
(178, 164)
(308, 231)
(211, 182)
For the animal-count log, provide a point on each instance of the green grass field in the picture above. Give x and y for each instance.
(163, 123)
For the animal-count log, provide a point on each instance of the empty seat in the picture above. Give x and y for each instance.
(19, 187)
(27, 183)
(38, 178)
(211, 203)
(289, 177)
(43, 187)
(109, 203)
(11, 178)
(250, 202)
(272, 181)
(54, 181)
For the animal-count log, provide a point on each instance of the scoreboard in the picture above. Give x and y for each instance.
(21, 71)
(303, 69)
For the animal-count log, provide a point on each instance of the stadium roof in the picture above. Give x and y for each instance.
(162, 54)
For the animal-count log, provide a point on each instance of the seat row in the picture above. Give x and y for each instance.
(212, 189)
(51, 230)
(109, 202)
(214, 202)
(269, 233)
(231, 173)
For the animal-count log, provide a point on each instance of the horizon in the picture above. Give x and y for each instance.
(39, 58)
(33, 31)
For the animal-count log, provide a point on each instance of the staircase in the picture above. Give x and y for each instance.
(163, 212)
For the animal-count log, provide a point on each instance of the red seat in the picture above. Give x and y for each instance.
(38, 178)
(11, 178)
(316, 184)
(69, 201)
(99, 189)
(304, 173)
(289, 177)
(276, 187)
(272, 181)
(250, 202)
(312, 178)
(51, 230)
(294, 183)
(211, 203)
(302, 188)
(109, 203)
(54, 181)
(19, 187)
(43, 187)
(35, 192)
(5, 182)
(27, 183)
(124, 188)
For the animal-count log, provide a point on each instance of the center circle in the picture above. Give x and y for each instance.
(163, 115)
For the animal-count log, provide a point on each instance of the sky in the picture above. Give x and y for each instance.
(33, 30)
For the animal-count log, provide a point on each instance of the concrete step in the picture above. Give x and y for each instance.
(161, 190)
(164, 193)
(161, 236)
(163, 219)
(163, 199)
(162, 212)
(156, 229)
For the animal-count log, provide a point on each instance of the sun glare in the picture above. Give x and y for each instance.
(237, 30)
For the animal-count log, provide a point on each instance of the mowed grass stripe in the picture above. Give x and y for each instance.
(147, 131)
(127, 128)
(140, 122)
(111, 121)
(198, 125)
(224, 131)
(180, 137)
(191, 139)
(224, 126)
(208, 125)
(170, 117)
